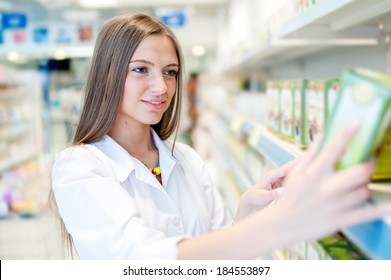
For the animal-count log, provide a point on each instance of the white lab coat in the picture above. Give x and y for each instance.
(114, 208)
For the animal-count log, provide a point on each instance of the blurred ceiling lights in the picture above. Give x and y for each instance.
(198, 50)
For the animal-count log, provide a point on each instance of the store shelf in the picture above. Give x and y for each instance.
(373, 238)
(11, 162)
(20, 120)
(15, 131)
(242, 179)
(328, 24)
(337, 14)
(273, 148)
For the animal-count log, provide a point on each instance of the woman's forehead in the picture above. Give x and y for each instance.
(156, 47)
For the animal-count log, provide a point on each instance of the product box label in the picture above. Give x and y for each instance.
(300, 121)
(287, 111)
(315, 109)
(332, 88)
(273, 105)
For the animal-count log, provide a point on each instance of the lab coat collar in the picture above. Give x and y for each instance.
(120, 158)
(167, 161)
(123, 162)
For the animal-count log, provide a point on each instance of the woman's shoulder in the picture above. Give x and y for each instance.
(81, 160)
(180, 148)
(85, 151)
(184, 152)
(81, 157)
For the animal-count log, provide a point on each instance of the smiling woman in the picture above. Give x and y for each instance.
(124, 191)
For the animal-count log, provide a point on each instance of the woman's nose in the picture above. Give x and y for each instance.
(158, 84)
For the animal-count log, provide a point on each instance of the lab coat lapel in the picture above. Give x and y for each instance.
(167, 161)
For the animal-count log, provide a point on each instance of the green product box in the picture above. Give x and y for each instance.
(383, 159)
(314, 251)
(287, 111)
(338, 247)
(273, 105)
(299, 88)
(332, 87)
(365, 96)
(315, 109)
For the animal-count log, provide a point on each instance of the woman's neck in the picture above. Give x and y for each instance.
(137, 141)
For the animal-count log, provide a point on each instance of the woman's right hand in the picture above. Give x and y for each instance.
(319, 200)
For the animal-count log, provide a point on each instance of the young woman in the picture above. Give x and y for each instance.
(124, 191)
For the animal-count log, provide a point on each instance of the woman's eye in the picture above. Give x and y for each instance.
(170, 73)
(141, 70)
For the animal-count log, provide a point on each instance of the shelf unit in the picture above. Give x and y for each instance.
(20, 131)
(327, 24)
(315, 43)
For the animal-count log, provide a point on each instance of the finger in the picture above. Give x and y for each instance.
(352, 199)
(265, 197)
(309, 155)
(364, 214)
(275, 177)
(287, 167)
(353, 177)
(278, 174)
(331, 154)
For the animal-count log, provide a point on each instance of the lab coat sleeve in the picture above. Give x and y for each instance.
(101, 218)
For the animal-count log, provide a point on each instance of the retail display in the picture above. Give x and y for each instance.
(287, 114)
(20, 140)
(315, 109)
(332, 89)
(300, 121)
(366, 241)
(309, 45)
(298, 109)
(273, 105)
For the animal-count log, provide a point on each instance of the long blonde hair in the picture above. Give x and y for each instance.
(114, 47)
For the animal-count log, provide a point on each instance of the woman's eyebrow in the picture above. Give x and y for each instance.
(152, 64)
(172, 64)
(143, 61)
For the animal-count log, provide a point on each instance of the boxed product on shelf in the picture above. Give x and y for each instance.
(315, 109)
(300, 121)
(273, 105)
(365, 96)
(338, 247)
(332, 87)
(287, 111)
(383, 158)
(314, 251)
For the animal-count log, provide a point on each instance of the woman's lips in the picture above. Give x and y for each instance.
(155, 104)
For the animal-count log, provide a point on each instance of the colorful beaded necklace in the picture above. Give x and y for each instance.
(155, 171)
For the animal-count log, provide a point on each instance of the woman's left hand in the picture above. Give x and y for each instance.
(264, 191)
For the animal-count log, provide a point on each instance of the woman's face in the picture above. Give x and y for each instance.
(150, 82)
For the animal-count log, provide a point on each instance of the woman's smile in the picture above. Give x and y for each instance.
(154, 104)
